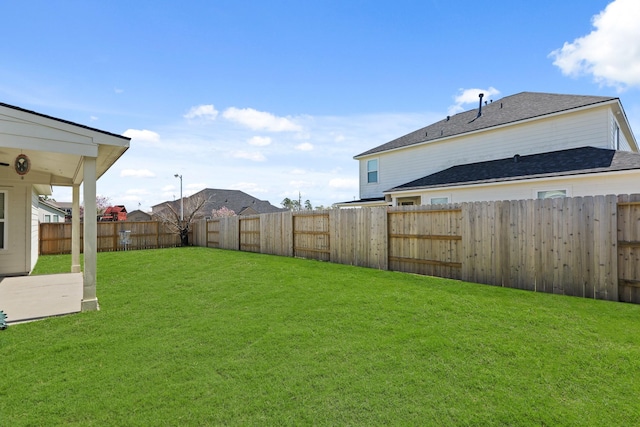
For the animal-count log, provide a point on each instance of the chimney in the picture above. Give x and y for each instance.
(480, 108)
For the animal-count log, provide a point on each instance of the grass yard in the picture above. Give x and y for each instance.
(195, 336)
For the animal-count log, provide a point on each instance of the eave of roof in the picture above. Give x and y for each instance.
(576, 161)
(510, 109)
(24, 110)
(367, 201)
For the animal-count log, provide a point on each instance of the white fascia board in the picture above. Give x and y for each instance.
(54, 142)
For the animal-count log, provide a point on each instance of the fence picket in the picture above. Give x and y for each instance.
(583, 246)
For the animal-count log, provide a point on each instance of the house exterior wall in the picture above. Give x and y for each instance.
(53, 214)
(13, 259)
(625, 182)
(591, 127)
(616, 133)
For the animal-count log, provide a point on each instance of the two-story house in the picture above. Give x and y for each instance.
(523, 146)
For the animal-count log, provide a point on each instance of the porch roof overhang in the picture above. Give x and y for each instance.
(56, 148)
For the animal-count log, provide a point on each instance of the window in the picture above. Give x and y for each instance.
(616, 137)
(552, 194)
(56, 218)
(372, 171)
(47, 218)
(408, 201)
(3, 220)
(439, 200)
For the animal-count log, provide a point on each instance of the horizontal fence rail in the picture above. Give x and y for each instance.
(582, 246)
(55, 238)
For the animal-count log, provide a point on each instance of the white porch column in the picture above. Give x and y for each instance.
(75, 230)
(89, 298)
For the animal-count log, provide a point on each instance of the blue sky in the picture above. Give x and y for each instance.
(276, 97)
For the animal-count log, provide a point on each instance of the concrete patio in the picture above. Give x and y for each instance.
(28, 298)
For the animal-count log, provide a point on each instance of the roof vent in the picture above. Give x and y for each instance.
(448, 117)
(516, 158)
(480, 108)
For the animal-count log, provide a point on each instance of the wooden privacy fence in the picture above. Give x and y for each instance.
(581, 246)
(55, 238)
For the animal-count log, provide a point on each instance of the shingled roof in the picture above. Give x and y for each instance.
(574, 161)
(236, 200)
(510, 109)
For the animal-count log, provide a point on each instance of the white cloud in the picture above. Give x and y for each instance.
(255, 156)
(206, 112)
(300, 184)
(610, 52)
(260, 120)
(118, 91)
(137, 173)
(472, 97)
(167, 188)
(137, 191)
(142, 135)
(344, 183)
(260, 141)
(298, 171)
(194, 187)
(249, 187)
(305, 146)
(93, 118)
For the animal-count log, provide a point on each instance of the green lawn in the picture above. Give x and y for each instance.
(195, 336)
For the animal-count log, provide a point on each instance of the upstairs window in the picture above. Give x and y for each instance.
(372, 171)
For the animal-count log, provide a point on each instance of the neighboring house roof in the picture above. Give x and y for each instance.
(370, 200)
(576, 161)
(51, 207)
(65, 206)
(115, 209)
(138, 214)
(510, 109)
(236, 200)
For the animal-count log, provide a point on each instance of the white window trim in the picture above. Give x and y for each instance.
(377, 181)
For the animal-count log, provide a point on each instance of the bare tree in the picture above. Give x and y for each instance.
(171, 215)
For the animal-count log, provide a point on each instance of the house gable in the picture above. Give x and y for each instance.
(508, 110)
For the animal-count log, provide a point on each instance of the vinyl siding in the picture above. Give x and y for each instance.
(571, 130)
(613, 125)
(626, 182)
(13, 260)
